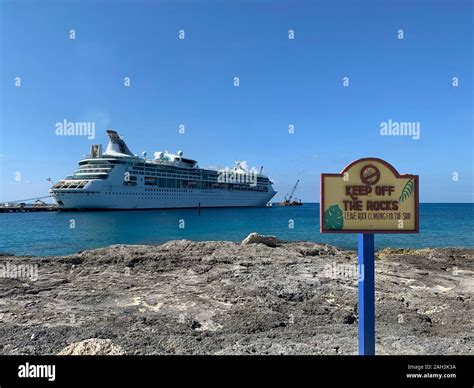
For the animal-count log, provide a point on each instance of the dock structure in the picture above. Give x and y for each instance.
(29, 205)
(15, 208)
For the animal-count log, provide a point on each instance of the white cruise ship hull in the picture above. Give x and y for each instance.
(161, 199)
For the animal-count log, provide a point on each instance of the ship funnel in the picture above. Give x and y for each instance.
(116, 144)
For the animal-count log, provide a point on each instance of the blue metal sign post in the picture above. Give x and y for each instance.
(366, 306)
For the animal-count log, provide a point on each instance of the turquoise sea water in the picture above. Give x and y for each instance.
(44, 234)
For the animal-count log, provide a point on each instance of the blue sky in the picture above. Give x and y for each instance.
(282, 82)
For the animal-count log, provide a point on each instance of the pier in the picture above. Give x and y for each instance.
(28, 205)
(15, 208)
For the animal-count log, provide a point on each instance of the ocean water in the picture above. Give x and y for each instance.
(46, 234)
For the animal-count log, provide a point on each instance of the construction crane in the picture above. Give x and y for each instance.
(288, 201)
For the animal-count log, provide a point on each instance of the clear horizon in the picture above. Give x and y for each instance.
(125, 67)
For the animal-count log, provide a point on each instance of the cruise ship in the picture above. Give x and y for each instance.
(118, 179)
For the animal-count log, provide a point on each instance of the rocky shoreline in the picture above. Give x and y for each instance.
(258, 297)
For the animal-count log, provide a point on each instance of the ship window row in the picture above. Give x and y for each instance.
(163, 193)
(76, 192)
(70, 185)
(95, 165)
(88, 176)
(205, 174)
(170, 175)
(172, 169)
(92, 170)
(110, 162)
(184, 184)
(101, 162)
(214, 178)
(181, 191)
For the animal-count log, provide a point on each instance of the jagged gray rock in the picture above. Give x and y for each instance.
(187, 297)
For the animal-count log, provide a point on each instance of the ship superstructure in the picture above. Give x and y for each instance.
(118, 179)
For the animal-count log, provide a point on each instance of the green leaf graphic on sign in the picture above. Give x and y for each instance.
(407, 191)
(333, 218)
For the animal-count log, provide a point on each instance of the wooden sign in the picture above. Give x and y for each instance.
(369, 196)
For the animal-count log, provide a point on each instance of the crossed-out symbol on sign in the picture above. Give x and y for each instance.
(370, 174)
